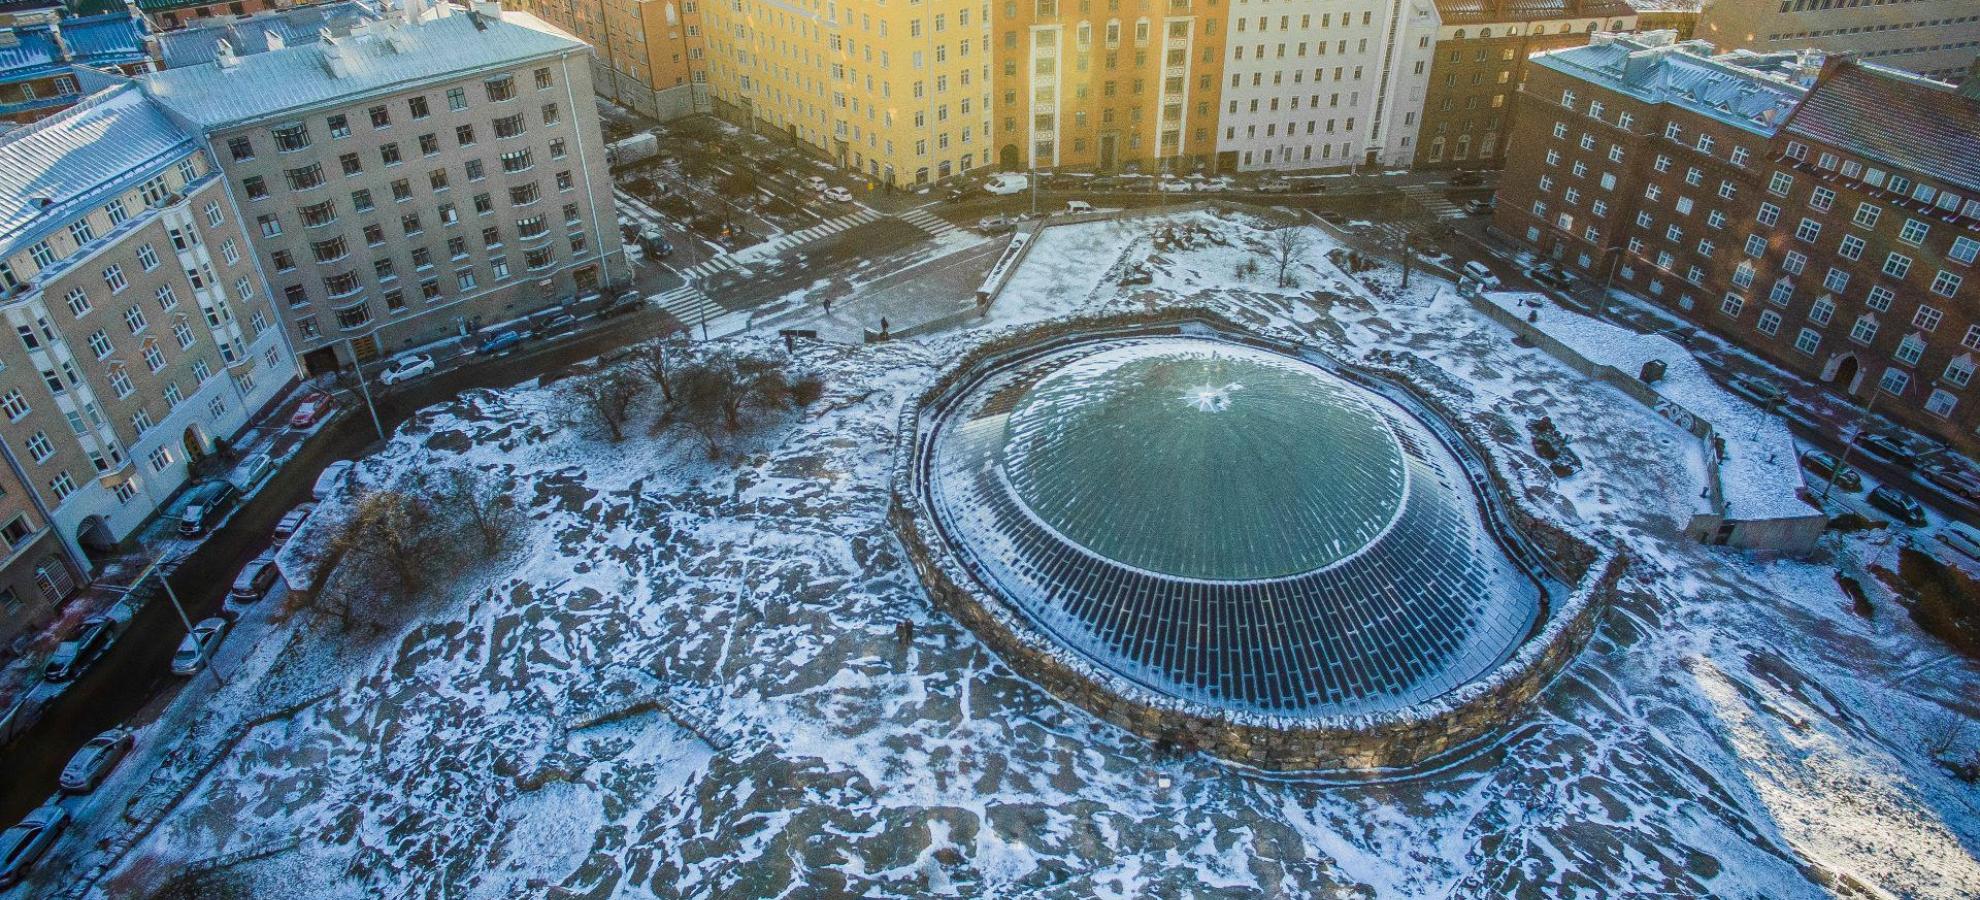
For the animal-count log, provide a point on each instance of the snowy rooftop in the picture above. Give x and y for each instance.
(1650, 66)
(1759, 475)
(259, 33)
(59, 165)
(103, 40)
(381, 58)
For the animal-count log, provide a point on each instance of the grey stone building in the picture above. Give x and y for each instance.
(429, 175)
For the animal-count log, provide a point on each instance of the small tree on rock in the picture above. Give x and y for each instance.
(1284, 245)
(481, 503)
(605, 397)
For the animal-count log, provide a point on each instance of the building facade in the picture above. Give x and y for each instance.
(1482, 48)
(1321, 85)
(169, 14)
(431, 174)
(1761, 196)
(1937, 38)
(141, 328)
(651, 55)
(900, 93)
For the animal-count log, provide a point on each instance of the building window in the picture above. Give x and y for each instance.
(1941, 403)
(1808, 340)
(1897, 265)
(1894, 381)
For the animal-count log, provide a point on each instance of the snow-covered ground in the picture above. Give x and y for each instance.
(1734, 730)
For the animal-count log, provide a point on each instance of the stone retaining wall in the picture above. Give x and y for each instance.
(1397, 738)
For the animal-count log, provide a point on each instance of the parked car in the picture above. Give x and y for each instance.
(198, 647)
(1759, 390)
(816, 183)
(1479, 207)
(1899, 504)
(75, 655)
(1481, 273)
(22, 845)
(555, 324)
(207, 503)
(292, 522)
(625, 302)
(407, 368)
(255, 579)
(1961, 537)
(1274, 186)
(251, 471)
(654, 243)
(312, 409)
(1007, 183)
(1824, 464)
(499, 342)
(993, 224)
(1466, 178)
(1955, 479)
(837, 194)
(1173, 186)
(332, 479)
(1887, 447)
(1078, 206)
(94, 760)
(1215, 185)
(955, 195)
(1549, 274)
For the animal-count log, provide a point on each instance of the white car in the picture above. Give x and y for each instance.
(815, 183)
(837, 194)
(1078, 206)
(1173, 186)
(406, 368)
(1217, 185)
(333, 478)
(198, 646)
(1007, 183)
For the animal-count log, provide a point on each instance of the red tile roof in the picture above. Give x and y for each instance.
(1901, 120)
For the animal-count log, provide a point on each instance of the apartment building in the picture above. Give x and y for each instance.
(169, 14)
(1936, 38)
(43, 58)
(140, 329)
(899, 93)
(1315, 85)
(651, 55)
(290, 26)
(1107, 84)
(429, 175)
(1769, 197)
(1677, 16)
(1482, 48)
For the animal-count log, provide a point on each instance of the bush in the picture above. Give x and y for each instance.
(1849, 521)
(807, 389)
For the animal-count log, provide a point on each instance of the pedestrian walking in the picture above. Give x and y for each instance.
(883, 328)
(828, 306)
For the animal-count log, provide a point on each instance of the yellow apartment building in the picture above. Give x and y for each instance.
(896, 89)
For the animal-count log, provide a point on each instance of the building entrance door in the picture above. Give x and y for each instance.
(1109, 149)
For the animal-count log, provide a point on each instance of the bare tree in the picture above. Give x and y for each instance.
(1408, 243)
(1284, 245)
(605, 396)
(482, 503)
(651, 360)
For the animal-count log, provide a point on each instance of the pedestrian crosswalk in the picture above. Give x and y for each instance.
(1431, 198)
(927, 221)
(823, 229)
(688, 304)
(702, 270)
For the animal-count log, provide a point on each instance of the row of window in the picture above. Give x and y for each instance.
(294, 136)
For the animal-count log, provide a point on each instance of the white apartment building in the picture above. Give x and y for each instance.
(1319, 84)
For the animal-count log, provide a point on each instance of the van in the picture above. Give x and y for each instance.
(1479, 272)
(1078, 206)
(205, 506)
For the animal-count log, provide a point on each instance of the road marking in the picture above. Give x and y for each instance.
(1432, 199)
(935, 225)
(688, 304)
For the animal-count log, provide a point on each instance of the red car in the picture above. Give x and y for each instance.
(311, 410)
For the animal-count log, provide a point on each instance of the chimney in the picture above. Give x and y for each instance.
(224, 56)
(274, 41)
(336, 59)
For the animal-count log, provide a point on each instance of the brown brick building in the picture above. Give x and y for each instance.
(1826, 216)
(1482, 47)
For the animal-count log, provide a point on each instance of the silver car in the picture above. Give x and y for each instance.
(93, 762)
(22, 845)
(197, 649)
(255, 579)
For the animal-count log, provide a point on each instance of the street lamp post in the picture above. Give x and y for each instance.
(364, 388)
(177, 607)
